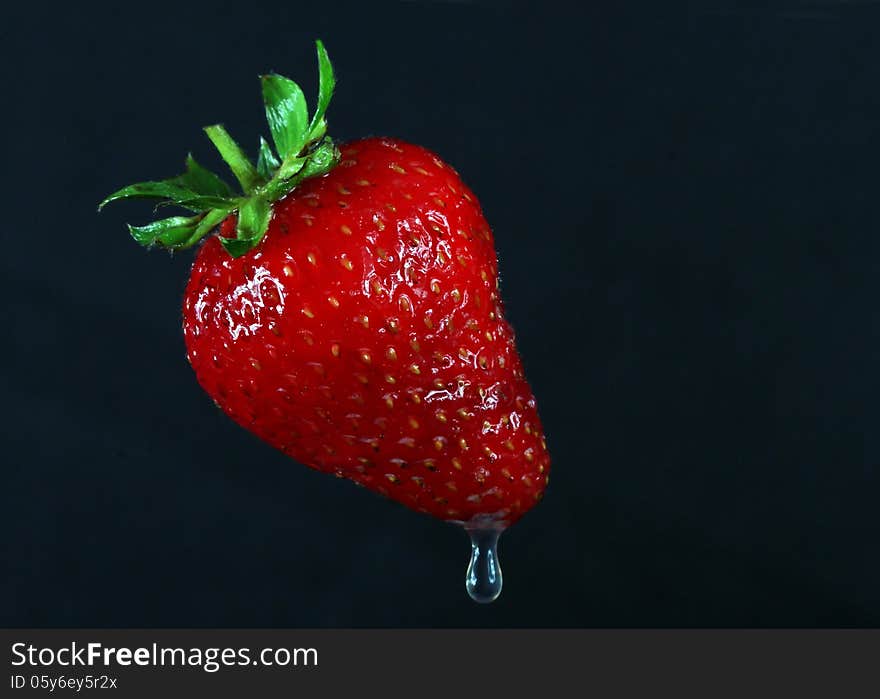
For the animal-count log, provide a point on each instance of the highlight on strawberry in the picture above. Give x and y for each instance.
(344, 307)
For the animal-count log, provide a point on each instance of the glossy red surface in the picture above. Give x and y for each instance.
(365, 337)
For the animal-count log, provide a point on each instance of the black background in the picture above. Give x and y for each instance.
(685, 207)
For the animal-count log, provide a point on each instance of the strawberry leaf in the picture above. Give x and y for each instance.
(149, 190)
(234, 157)
(321, 160)
(197, 189)
(178, 231)
(211, 220)
(199, 204)
(289, 168)
(202, 181)
(267, 163)
(168, 190)
(286, 113)
(167, 232)
(302, 150)
(253, 220)
(326, 85)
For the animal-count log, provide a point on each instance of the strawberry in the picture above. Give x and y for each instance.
(348, 314)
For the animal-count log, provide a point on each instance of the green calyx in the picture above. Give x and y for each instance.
(302, 150)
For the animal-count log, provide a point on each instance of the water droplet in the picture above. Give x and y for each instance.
(483, 579)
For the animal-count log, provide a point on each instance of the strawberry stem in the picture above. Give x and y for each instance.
(302, 150)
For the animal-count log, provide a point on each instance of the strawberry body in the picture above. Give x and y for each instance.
(365, 337)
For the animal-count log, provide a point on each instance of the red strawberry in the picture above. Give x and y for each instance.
(348, 314)
(365, 337)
